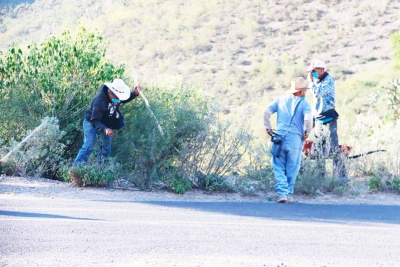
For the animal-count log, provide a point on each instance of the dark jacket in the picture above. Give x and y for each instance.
(102, 113)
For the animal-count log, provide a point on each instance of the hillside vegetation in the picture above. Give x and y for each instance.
(236, 51)
(242, 53)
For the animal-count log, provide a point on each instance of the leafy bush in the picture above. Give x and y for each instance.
(258, 168)
(374, 183)
(311, 177)
(93, 174)
(246, 187)
(177, 182)
(56, 78)
(148, 154)
(396, 184)
(392, 96)
(60, 77)
(214, 182)
(196, 142)
(40, 154)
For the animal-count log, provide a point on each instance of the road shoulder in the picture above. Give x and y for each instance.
(40, 187)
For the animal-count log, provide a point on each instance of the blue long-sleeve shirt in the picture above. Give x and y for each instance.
(324, 94)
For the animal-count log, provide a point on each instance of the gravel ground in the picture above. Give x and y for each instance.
(46, 187)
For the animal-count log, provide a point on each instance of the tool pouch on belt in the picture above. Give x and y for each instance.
(327, 116)
(276, 145)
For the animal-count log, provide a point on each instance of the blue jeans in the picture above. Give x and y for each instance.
(91, 135)
(287, 165)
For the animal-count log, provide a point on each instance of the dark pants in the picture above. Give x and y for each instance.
(326, 145)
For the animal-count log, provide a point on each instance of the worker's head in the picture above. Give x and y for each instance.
(118, 90)
(114, 99)
(298, 87)
(317, 68)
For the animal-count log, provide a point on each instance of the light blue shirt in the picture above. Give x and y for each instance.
(284, 107)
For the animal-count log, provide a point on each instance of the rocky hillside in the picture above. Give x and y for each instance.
(236, 50)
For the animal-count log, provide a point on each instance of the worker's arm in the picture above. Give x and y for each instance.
(95, 119)
(267, 121)
(308, 121)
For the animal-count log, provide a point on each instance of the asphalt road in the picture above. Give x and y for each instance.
(56, 231)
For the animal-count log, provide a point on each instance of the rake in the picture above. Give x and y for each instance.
(344, 150)
(146, 102)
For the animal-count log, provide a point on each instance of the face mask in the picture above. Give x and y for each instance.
(315, 75)
(115, 100)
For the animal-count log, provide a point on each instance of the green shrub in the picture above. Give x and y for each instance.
(340, 190)
(392, 96)
(60, 77)
(396, 184)
(374, 183)
(39, 155)
(177, 182)
(196, 140)
(247, 187)
(148, 154)
(92, 174)
(310, 178)
(214, 182)
(265, 176)
(56, 78)
(258, 167)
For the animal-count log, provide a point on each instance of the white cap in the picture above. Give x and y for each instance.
(317, 64)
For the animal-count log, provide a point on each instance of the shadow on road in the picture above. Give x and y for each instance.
(39, 215)
(296, 211)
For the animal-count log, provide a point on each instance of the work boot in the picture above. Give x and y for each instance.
(281, 199)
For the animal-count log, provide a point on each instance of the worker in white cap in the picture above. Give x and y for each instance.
(102, 117)
(326, 141)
